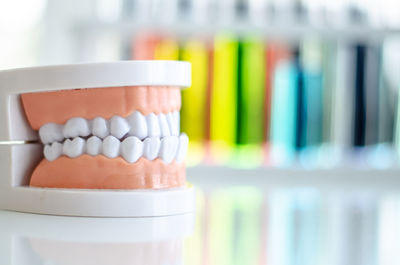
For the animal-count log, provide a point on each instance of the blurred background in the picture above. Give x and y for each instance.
(293, 114)
(309, 83)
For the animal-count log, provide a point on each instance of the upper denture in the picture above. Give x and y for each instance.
(60, 106)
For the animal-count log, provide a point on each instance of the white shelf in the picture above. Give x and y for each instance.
(214, 177)
(287, 31)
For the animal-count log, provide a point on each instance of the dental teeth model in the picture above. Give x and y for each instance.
(97, 139)
(108, 138)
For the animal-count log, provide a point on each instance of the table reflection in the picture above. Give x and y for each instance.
(247, 225)
(240, 225)
(39, 239)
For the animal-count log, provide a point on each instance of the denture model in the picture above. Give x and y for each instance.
(98, 139)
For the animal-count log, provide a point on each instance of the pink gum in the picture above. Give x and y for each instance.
(59, 106)
(100, 172)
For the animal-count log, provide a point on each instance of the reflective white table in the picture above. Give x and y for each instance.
(232, 225)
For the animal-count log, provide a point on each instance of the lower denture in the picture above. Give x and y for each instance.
(87, 172)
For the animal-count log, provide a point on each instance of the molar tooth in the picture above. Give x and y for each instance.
(168, 148)
(74, 148)
(119, 126)
(138, 125)
(172, 124)
(51, 132)
(111, 146)
(93, 146)
(53, 151)
(182, 147)
(131, 149)
(151, 147)
(76, 127)
(100, 127)
(152, 125)
(164, 128)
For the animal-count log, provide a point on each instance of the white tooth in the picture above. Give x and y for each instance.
(151, 147)
(172, 124)
(164, 128)
(177, 118)
(111, 146)
(119, 127)
(132, 149)
(182, 147)
(53, 151)
(76, 127)
(100, 127)
(138, 125)
(152, 125)
(51, 132)
(74, 148)
(93, 146)
(169, 145)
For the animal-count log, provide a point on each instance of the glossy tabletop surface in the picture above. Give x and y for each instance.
(232, 225)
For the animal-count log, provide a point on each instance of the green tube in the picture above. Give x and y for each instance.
(250, 111)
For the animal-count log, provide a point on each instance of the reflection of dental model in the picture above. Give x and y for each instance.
(101, 126)
(92, 240)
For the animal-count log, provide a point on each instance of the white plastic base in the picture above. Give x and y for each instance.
(95, 229)
(100, 203)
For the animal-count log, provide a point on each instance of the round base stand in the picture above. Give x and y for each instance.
(101, 203)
